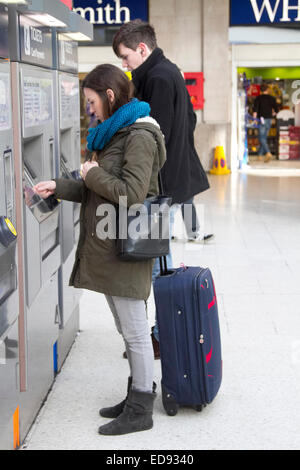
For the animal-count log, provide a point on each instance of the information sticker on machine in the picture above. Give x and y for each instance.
(5, 114)
(2, 354)
(38, 94)
(69, 98)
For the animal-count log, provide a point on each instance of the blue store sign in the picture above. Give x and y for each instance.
(111, 12)
(262, 12)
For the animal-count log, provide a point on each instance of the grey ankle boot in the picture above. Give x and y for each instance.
(136, 416)
(115, 411)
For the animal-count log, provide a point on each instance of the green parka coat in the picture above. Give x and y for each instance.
(128, 166)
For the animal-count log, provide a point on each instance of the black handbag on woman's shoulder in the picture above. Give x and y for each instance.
(143, 230)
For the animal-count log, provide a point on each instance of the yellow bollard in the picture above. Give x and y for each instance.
(220, 165)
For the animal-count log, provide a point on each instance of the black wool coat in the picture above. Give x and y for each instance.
(160, 83)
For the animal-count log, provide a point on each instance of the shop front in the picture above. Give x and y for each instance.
(284, 135)
(264, 43)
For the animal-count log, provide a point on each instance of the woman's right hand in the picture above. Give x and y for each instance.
(45, 188)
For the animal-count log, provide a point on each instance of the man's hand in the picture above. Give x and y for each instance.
(45, 188)
(86, 168)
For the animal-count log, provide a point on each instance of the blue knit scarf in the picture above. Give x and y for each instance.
(99, 136)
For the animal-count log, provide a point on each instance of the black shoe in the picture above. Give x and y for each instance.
(200, 239)
(208, 236)
(136, 416)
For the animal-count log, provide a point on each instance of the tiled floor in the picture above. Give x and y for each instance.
(255, 259)
(274, 162)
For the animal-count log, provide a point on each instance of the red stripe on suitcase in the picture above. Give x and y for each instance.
(212, 303)
(208, 356)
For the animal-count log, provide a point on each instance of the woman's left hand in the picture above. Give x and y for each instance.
(86, 168)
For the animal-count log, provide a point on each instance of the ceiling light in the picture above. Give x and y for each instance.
(77, 37)
(52, 13)
(46, 20)
(22, 2)
(78, 28)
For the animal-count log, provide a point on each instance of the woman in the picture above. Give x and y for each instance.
(128, 151)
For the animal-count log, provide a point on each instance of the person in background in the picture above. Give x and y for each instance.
(128, 152)
(265, 108)
(160, 83)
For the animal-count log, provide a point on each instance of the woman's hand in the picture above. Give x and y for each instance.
(86, 168)
(45, 188)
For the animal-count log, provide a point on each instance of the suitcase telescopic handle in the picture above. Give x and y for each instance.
(163, 265)
(163, 259)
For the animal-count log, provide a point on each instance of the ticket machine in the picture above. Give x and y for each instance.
(66, 84)
(33, 88)
(67, 151)
(9, 304)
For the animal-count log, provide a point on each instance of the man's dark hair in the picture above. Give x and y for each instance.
(264, 87)
(132, 33)
(105, 77)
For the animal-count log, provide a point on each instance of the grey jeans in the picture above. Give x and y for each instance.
(131, 321)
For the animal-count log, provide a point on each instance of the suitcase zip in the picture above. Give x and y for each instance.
(201, 338)
(184, 366)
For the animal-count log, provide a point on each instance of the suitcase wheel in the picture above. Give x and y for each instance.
(198, 408)
(170, 405)
(171, 408)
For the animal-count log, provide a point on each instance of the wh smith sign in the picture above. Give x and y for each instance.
(111, 12)
(262, 12)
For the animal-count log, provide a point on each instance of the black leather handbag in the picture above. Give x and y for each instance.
(143, 231)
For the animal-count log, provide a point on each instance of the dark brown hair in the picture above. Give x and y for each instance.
(132, 33)
(264, 87)
(105, 77)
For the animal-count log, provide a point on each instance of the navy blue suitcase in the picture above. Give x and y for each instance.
(189, 336)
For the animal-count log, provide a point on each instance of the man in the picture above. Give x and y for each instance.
(265, 108)
(160, 83)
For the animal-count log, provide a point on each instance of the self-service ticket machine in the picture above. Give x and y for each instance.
(65, 57)
(9, 303)
(33, 88)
